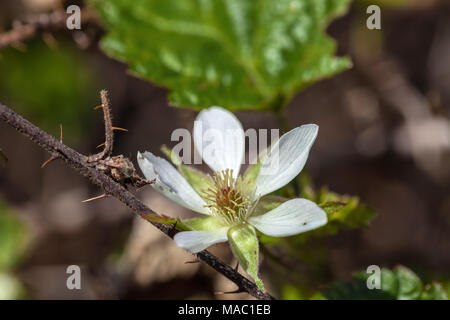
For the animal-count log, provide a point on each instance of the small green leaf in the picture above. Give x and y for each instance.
(240, 54)
(410, 286)
(153, 217)
(267, 203)
(245, 247)
(333, 207)
(199, 181)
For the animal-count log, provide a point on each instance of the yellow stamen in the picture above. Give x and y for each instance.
(226, 198)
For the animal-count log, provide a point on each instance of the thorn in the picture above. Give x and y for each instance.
(120, 129)
(192, 261)
(49, 40)
(48, 161)
(229, 292)
(237, 267)
(102, 196)
(101, 145)
(60, 133)
(98, 107)
(54, 154)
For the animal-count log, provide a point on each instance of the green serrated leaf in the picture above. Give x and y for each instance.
(245, 247)
(241, 54)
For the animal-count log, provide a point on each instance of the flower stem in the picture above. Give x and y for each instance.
(278, 111)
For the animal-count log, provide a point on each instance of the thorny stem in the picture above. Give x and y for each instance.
(80, 163)
(109, 135)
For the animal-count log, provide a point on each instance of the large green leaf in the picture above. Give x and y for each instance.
(241, 54)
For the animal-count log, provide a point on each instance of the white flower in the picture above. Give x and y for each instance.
(236, 204)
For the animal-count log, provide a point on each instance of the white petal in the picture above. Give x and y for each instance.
(196, 241)
(286, 159)
(170, 182)
(291, 217)
(220, 139)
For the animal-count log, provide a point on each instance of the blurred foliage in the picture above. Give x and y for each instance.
(12, 246)
(12, 238)
(49, 86)
(10, 287)
(398, 284)
(390, 4)
(240, 54)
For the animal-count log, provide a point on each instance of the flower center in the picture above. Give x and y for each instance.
(226, 198)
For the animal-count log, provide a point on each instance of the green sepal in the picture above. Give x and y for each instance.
(267, 203)
(250, 175)
(201, 223)
(245, 247)
(199, 181)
